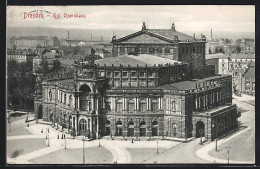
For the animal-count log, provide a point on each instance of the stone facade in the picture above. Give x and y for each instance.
(165, 43)
(89, 104)
(138, 93)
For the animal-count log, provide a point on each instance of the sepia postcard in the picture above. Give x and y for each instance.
(130, 84)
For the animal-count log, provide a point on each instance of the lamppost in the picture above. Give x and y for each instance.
(228, 154)
(157, 147)
(65, 143)
(216, 125)
(48, 141)
(84, 149)
(9, 122)
(46, 133)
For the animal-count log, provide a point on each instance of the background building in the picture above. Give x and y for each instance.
(30, 42)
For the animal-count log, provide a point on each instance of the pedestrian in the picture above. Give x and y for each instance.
(61, 136)
(132, 140)
(64, 136)
(27, 124)
(58, 136)
(42, 131)
(48, 130)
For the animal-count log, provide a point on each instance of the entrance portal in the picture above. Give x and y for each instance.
(130, 129)
(119, 130)
(108, 128)
(142, 129)
(200, 129)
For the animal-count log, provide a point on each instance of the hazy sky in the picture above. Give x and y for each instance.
(235, 18)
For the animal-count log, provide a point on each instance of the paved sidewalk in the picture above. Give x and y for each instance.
(116, 147)
(203, 152)
(23, 137)
(120, 155)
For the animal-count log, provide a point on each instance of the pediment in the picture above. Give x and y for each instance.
(144, 37)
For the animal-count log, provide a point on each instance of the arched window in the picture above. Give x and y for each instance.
(119, 105)
(82, 126)
(142, 106)
(131, 106)
(155, 107)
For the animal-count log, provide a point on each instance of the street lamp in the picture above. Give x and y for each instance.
(216, 149)
(157, 147)
(65, 143)
(228, 154)
(48, 141)
(84, 149)
(46, 133)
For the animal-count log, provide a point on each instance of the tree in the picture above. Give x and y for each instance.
(20, 84)
(238, 49)
(56, 66)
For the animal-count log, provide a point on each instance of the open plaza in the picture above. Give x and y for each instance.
(40, 143)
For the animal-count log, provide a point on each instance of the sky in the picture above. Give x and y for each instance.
(230, 18)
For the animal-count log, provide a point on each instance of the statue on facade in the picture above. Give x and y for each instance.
(144, 26)
(173, 27)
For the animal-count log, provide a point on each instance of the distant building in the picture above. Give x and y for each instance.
(30, 42)
(71, 42)
(20, 55)
(225, 64)
(247, 46)
(248, 80)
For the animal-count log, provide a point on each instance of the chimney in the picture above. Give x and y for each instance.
(211, 33)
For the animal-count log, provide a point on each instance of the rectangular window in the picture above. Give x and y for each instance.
(131, 106)
(124, 74)
(119, 106)
(143, 107)
(150, 73)
(133, 73)
(102, 73)
(155, 107)
(116, 74)
(108, 74)
(141, 74)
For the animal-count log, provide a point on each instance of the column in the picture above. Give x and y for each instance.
(148, 103)
(160, 106)
(124, 99)
(137, 104)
